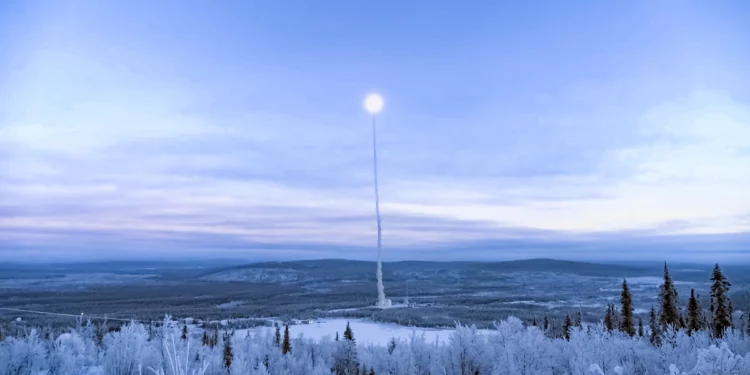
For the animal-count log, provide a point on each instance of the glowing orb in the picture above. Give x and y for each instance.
(373, 103)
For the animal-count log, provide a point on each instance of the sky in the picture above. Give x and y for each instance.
(587, 130)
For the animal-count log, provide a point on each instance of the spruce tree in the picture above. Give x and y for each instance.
(372, 371)
(615, 317)
(640, 327)
(345, 359)
(626, 323)
(183, 337)
(694, 314)
(287, 346)
(578, 321)
(204, 341)
(277, 337)
(392, 345)
(337, 336)
(669, 316)
(566, 327)
(228, 355)
(720, 302)
(533, 321)
(655, 337)
(545, 322)
(609, 322)
(348, 334)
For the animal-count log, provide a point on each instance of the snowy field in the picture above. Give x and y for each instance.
(365, 332)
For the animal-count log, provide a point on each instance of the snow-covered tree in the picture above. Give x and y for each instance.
(626, 322)
(654, 328)
(694, 321)
(720, 301)
(668, 314)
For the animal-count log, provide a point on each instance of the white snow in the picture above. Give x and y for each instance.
(365, 331)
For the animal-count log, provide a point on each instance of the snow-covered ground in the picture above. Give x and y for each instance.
(365, 331)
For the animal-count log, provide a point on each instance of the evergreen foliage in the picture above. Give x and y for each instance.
(348, 334)
(286, 348)
(655, 328)
(228, 354)
(669, 315)
(609, 318)
(694, 322)
(566, 327)
(626, 322)
(720, 301)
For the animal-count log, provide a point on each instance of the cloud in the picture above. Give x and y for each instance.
(125, 137)
(684, 176)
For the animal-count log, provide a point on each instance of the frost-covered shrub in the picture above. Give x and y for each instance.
(510, 349)
(126, 351)
(23, 356)
(69, 353)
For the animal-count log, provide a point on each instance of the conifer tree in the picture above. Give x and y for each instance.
(609, 322)
(720, 302)
(669, 316)
(287, 347)
(183, 337)
(578, 321)
(655, 337)
(372, 371)
(348, 334)
(626, 323)
(277, 337)
(337, 336)
(546, 322)
(694, 314)
(228, 355)
(392, 345)
(345, 360)
(204, 341)
(640, 327)
(533, 321)
(566, 327)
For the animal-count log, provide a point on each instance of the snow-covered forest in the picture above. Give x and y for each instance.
(673, 340)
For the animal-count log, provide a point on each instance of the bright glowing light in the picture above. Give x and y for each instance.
(373, 103)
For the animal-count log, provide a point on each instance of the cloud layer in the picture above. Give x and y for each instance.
(107, 154)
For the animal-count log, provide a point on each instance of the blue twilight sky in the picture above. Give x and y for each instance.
(167, 129)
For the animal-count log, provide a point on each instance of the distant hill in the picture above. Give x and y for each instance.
(564, 266)
(341, 269)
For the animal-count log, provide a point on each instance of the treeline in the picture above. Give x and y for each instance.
(667, 318)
